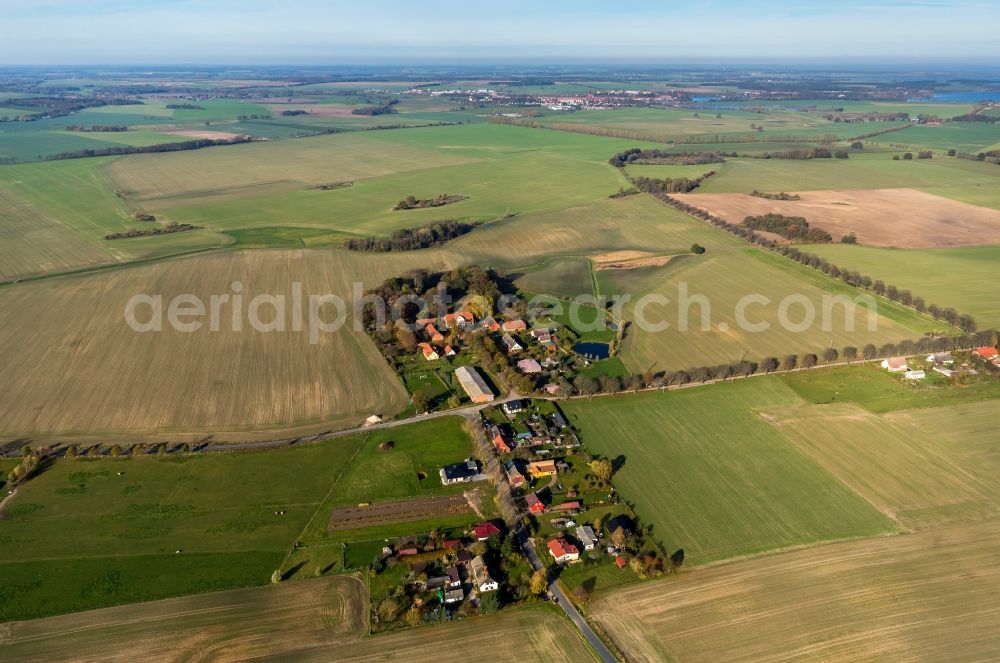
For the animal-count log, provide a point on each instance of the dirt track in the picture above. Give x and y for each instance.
(903, 218)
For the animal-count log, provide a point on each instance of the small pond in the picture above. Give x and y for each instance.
(592, 350)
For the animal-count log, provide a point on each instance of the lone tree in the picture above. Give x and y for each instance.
(539, 582)
(276, 577)
(602, 469)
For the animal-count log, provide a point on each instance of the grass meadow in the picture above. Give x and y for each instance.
(90, 533)
(714, 478)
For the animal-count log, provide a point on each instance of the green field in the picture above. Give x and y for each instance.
(87, 532)
(968, 137)
(947, 276)
(714, 478)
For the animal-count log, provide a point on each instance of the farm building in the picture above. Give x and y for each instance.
(473, 384)
(459, 472)
(568, 507)
(563, 551)
(454, 596)
(529, 366)
(513, 325)
(895, 364)
(542, 468)
(914, 375)
(481, 575)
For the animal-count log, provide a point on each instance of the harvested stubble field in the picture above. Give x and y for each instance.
(74, 366)
(903, 218)
(929, 596)
(226, 626)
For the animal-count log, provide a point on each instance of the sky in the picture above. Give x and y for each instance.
(431, 31)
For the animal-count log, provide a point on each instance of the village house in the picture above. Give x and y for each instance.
(585, 533)
(914, 375)
(535, 503)
(459, 472)
(433, 335)
(563, 551)
(895, 364)
(514, 475)
(529, 366)
(481, 575)
(489, 324)
(501, 442)
(513, 326)
(986, 352)
(430, 354)
(454, 577)
(457, 320)
(542, 468)
(513, 407)
(941, 358)
(473, 384)
(454, 596)
(485, 530)
(510, 344)
(449, 351)
(539, 333)
(568, 507)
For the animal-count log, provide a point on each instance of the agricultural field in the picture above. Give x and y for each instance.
(232, 517)
(97, 376)
(225, 626)
(662, 124)
(960, 179)
(920, 468)
(724, 277)
(946, 276)
(320, 619)
(968, 137)
(900, 218)
(930, 596)
(715, 478)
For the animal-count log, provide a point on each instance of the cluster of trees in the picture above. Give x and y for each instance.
(294, 112)
(98, 128)
(622, 192)
(185, 107)
(244, 118)
(669, 185)
(412, 202)
(992, 156)
(149, 232)
(964, 322)
(640, 156)
(409, 239)
(31, 461)
(806, 154)
(378, 109)
(142, 216)
(776, 196)
(790, 227)
(143, 149)
(976, 117)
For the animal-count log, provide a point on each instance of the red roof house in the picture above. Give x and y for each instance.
(486, 530)
(514, 325)
(535, 503)
(985, 352)
(452, 544)
(563, 551)
(433, 334)
(501, 443)
(567, 506)
(490, 324)
(430, 353)
(620, 562)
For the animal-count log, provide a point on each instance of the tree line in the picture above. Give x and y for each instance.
(412, 202)
(150, 232)
(384, 108)
(410, 239)
(144, 149)
(963, 321)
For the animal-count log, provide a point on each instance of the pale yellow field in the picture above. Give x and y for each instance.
(73, 365)
(919, 467)
(317, 619)
(929, 596)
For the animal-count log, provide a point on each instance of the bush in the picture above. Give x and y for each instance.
(697, 248)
